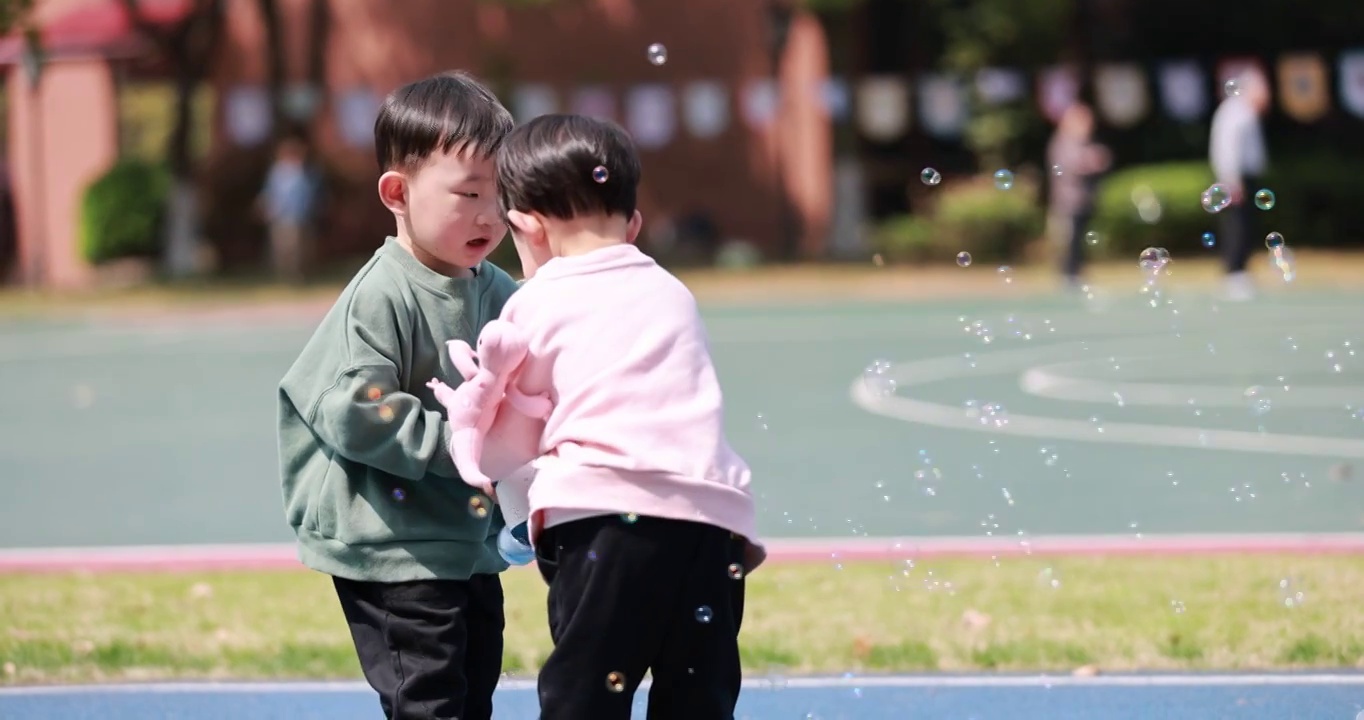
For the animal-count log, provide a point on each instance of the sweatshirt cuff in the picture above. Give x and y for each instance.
(442, 462)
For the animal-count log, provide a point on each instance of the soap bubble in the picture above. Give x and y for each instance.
(1153, 259)
(877, 378)
(1264, 199)
(1216, 199)
(600, 174)
(1232, 87)
(1290, 594)
(1209, 239)
(658, 54)
(1274, 240)
(929, 176)
(1004, 179)
(1283, 261)
(1258, 400)
(615, 682)
(704, 614)
(964, 258)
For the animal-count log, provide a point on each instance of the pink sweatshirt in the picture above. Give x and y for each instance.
(618, 344)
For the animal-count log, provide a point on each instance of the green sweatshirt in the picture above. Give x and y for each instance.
(369, 485)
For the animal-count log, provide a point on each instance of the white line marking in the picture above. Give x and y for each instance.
(1045, 381)
(751, 683)
(923, 372)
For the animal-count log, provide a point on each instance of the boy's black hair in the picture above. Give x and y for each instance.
(553, 165)
(448, 112)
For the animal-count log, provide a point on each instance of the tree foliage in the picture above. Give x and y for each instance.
(1005, 33)
(14, 15)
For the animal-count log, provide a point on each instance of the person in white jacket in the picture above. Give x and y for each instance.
(1239, 161)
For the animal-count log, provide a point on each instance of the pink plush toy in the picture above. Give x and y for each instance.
(472, 406)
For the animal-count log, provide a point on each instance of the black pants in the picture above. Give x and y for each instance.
(1074, 260)
(432, 648)
(626, 597)
(1238, 228)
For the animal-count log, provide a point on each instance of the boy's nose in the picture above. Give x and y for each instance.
(488, 218)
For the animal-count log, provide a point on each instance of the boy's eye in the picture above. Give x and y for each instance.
(472, 195)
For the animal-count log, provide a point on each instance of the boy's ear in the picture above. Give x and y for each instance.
(393, 191)
(526, 226)
(632, 229)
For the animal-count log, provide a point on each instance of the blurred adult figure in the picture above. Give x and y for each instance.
(1075, 163)
(288, 202)
(1239, 160)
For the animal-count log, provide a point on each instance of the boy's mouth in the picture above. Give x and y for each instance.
(478, 242)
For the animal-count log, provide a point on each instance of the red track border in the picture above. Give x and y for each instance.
(208, 558)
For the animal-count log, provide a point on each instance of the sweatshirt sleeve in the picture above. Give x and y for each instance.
(366, 419)
(347, 388)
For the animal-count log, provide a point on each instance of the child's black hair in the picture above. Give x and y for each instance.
(563, 166)
(451, 111)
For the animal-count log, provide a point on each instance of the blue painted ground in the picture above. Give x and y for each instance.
(1274, 697)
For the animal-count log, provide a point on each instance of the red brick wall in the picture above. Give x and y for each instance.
(382, 43)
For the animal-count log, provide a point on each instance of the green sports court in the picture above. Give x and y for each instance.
(1108, 413)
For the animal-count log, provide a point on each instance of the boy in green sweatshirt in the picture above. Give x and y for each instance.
(369, 485)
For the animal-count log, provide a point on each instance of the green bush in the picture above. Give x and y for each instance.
(993, 225)
(1179, 223)
(121, 212)
(1316, 204)
(904, 239)
(1316, 200)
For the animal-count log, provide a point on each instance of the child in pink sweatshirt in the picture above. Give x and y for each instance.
(641, 515)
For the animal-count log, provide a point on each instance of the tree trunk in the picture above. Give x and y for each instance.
(319, 37)
(190, 47)
(846, 239)
(182, 232)
(275, 70)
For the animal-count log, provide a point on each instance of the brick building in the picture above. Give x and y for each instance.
(725, 162)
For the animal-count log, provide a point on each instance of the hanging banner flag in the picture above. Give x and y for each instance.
(595, 101)
(942, 106)
(651, 115)
(1352, 81)
(705, 108)
(996, 86)
(1303, 89)
(833, 95)
(1058, 88)
(532, 101)
(761, 99)
(883, 108)
(247, 115)
(1183, 90)
(355, 111)
(1120, 92)
(1232, 67)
